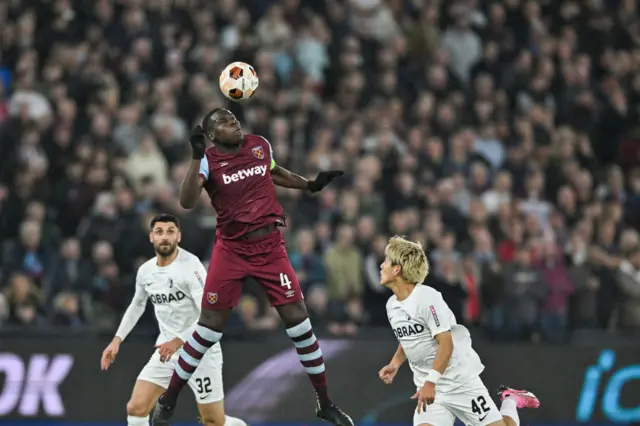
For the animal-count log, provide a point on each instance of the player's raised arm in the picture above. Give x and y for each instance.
(129, 320)
(198, 170)
(287, 179)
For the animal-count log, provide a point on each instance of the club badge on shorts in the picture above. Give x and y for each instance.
(258, 152)
(212, 298)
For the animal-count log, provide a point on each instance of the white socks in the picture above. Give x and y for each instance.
(144, 421)
(509, 408)
(232, 421)
(137, 421)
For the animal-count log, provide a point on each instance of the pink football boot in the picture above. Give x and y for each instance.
(523, 398)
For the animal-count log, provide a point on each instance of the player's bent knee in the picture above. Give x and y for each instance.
(216, 320)
(137, 409)
(293, 314)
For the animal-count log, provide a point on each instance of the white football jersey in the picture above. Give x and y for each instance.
(176, 293)
(415, 321)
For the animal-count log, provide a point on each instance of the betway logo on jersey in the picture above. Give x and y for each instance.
(161, 299)
(243, 174)
(408, 330)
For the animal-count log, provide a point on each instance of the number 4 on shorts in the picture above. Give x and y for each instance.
(285, 281)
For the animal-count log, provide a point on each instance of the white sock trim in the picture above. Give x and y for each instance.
(300, 329)
(137, 421)
(509, 408)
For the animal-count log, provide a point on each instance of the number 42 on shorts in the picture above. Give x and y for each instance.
(480, 407)
(285, 282)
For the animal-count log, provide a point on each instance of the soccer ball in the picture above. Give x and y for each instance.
(238, 81)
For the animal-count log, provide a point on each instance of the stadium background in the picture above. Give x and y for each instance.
(501, 134)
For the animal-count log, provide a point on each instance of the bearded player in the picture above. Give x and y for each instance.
(173, 280)
(239, 172)
(446, 369)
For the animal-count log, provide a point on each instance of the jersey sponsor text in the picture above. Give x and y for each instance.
(243, 174)
(160, 299)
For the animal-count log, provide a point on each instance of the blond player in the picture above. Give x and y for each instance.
(173, 280)
(446, 369)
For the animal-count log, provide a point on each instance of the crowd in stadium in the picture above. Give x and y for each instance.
(499, 133)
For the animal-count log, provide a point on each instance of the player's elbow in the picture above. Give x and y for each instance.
(187, 204)
(188, 201)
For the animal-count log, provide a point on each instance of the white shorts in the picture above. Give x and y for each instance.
(470, 403)
(206, 382)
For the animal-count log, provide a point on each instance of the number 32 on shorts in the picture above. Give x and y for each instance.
(285, 282)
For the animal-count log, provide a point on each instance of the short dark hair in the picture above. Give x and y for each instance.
(206, 121)
(165, 218)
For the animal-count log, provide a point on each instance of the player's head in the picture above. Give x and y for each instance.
(165, 234)
(405, 261)
(222, 127)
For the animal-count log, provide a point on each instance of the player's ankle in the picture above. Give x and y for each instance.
(167, 400)
(324, 400)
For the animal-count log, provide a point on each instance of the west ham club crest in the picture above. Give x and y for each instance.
(258, 152)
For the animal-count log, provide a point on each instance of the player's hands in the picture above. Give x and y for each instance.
(387, 373)
(323, 179)
(110, 353)
(167, 349)
(198, 142)
(425, 396)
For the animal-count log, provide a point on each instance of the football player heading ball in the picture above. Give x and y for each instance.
(239, 172)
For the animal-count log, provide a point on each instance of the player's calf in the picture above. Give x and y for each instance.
(213, 415)
(299, 329)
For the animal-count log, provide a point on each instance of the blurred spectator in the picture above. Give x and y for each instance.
(524, 290)
(25, 302)
(305, 262)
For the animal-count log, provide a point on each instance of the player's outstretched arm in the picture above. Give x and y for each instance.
(388, 372)
(287, 179)
(129, 320)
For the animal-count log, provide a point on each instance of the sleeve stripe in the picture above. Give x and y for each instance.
(273, 160)
(204, 168)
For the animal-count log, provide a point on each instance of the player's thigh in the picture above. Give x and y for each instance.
(223, 286)
(150, 384)
(436, 414)
(143, 398)
(473, 405)
(279, 281)
(206, 381)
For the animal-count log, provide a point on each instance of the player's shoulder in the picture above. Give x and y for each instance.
(392, 301)
(186, 257)
(424, 295)
(147, 267)
(255, 139)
